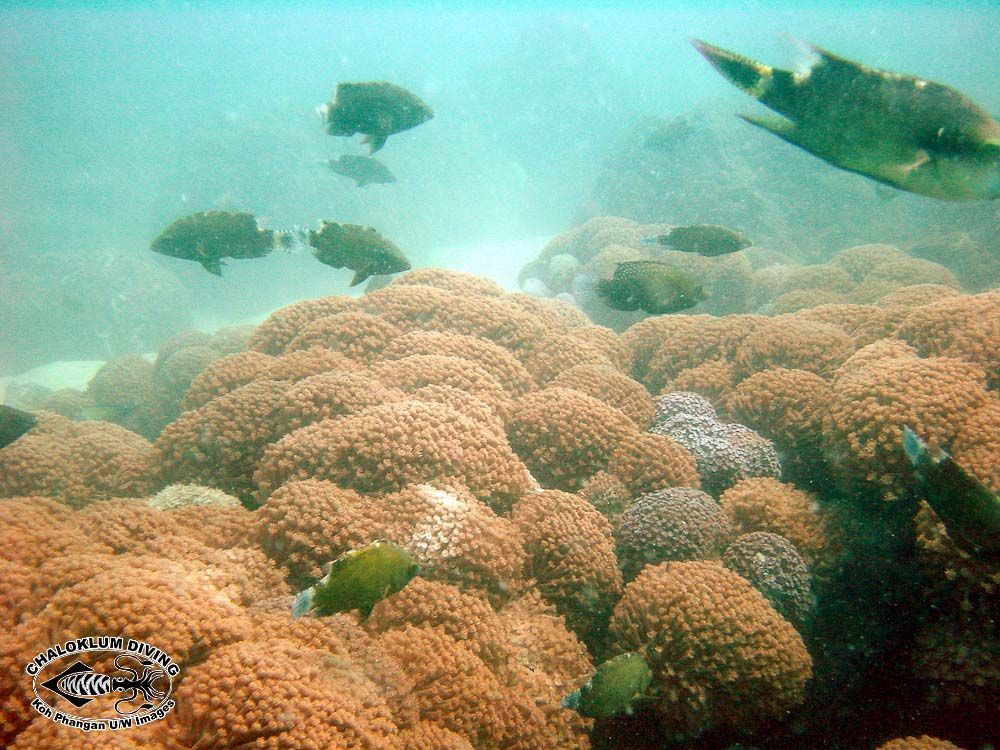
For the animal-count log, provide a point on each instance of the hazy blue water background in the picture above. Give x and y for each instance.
(116, 119)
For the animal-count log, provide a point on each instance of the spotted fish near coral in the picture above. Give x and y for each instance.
(358, 580)
(903, 131)
(358, 248)
(704, 239)
(376, 109)
(613, 689)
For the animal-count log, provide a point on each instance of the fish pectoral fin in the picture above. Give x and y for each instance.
(781, 127)
(375, 141)
(361, 275)
(922, 159)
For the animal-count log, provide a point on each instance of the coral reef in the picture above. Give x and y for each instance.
(385, 447)
(673, 524)
(571, 556)
(765, 504)
(776, 569)
(456, 421)
(721, 656)
(649, 462)
(566, 436)
(76, 462)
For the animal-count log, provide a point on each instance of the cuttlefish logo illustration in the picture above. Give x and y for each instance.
(103, 683)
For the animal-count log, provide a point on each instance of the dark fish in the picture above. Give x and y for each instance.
(358, 580)
(652, 287)
(364, 170)
(209, 236)
(669, 135)
(903, 131)
(376, 109)
(969, 511)
(704, 239)
(613, 689)
(358, 248)
(14, 423)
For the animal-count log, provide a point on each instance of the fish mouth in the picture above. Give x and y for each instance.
(322, 111)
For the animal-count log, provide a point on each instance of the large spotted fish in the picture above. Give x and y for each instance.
(904, 131)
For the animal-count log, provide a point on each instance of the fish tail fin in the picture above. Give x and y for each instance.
(294, 240)
(919, 453)
(572, 700)
(773, 87)
(654, 241)
(303, 603)
(585, 288)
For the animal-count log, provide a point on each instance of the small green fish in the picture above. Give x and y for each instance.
(364, 170)
(358, 579)
(648, 285)
(358, 248)
(613, 689)
(210, 236)
(14, 423)
(705, 239)
(904, 131)
(969, 511)
(375, 108)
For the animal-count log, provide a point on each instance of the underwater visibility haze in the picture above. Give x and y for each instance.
(474, 376)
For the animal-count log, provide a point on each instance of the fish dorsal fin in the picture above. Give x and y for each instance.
(826, 57)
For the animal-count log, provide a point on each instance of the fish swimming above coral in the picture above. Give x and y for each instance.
(364, 170)
(210, 236)
(704, 239)
(647, 285)
(901, 130)
(970, 511)
(358, 248)
(14, 423)
(376, 109)
(613, 689)
(358, 580)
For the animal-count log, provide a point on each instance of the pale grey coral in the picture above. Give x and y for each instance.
(724, 453)
(682, 403)
(679, 523)
(776, 569)
(178, 495)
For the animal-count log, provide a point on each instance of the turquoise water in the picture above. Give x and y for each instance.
(205, 445)
(119, 117)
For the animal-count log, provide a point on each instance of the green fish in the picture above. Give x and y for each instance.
(613, 689)
(210, 236)
(648, 285)
(358, 248)
(375, 108)
(969, 511)
(705, 239)
(358, 580)
(903, 131)
(364, 170)
(14, 423)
